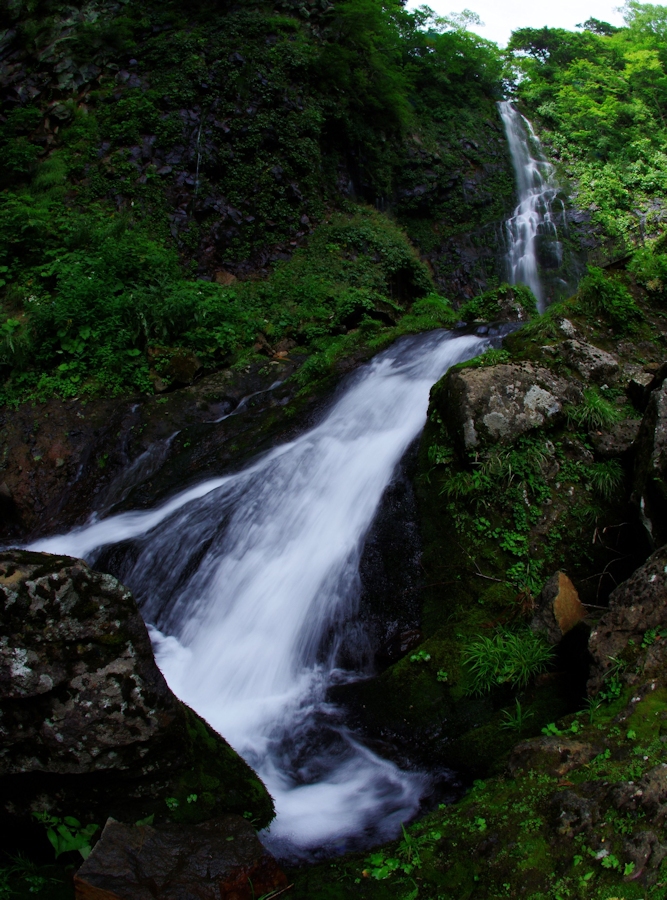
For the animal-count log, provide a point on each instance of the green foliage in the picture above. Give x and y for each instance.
(500, 303)
(601, 97)
(606, 478)
(421, 656)
(67, 834)
(604, 296)
(513, 657)
(594, 412)
(516, 719)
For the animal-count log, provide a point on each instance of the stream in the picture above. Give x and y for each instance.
(247, 582)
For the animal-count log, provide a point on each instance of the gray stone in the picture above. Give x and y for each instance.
(499, 403)
(590, 362)
(617, 440)
(86, 712)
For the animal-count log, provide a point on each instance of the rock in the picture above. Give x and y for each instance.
(556, 755)
(558, 608)
(499, 403)
(648, 795)
(221, 859)
(617, 441)
(224, 278)
(635, 606)
(87, 713)
(650, 475)
(592, 363)
(645, 850)
(638, 388)
(567, 327)
(575, 813)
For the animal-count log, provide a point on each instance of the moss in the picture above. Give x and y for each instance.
(214, 777)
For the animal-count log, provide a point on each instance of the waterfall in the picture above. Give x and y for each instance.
(531, 230)
(247, 581)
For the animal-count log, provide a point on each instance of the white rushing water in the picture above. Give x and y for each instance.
(247, 580)
(534, 217)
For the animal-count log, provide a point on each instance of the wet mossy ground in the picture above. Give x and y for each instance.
(508, 836)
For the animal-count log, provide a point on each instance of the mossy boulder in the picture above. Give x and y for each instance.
(89, 725)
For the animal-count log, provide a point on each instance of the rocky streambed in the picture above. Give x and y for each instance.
(538, 507)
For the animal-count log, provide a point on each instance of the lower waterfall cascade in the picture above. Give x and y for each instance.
(247, 581)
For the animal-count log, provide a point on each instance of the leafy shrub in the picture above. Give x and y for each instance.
(501, 303)
(512, 658)
(595, 411)
(606, 297)
(649, 266)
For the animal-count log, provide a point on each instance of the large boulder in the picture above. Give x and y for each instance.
(650, 477)
(637, 606)
(490, 404)
(590, 362)
(221, 859)
(89, 727)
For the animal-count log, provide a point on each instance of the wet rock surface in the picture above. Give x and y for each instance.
(221, 859)
(556, 755)
(650, 477)
(65, 459)
(635, 607)
(89, 726)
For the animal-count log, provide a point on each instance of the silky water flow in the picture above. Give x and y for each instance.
(247, 581)
(534, 218)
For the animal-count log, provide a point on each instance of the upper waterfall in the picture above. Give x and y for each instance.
(531, 229)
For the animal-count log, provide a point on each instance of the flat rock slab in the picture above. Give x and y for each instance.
(221, 859)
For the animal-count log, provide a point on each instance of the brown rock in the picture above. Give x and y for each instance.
(221, 859)
(558, 608)
(556, 755)
(224, 278)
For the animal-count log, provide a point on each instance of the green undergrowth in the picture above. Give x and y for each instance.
(101, 298)
(507, 837)
(499, 521)
(599, 95)
(504, 303)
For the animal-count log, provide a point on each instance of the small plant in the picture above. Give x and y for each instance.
(421, 656)
(517, 719)
(607, 298)
(513, 658)
(172, 803)
(442, 676)
(606, 478)
(594, 412)
(67, 834)
(551, 730)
